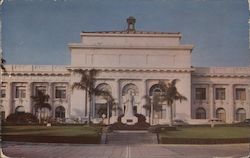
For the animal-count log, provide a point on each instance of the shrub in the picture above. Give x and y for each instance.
(21, 118)
(141, 118)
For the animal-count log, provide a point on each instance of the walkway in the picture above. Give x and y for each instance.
(35, 150)
(131, 137)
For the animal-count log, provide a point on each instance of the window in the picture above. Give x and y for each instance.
(41, 88)
(240, 114)
(20, 92)
(221, 114)
(220, 94)
(3, 93)
(155, 90)
(200, 113)
(240, 94)
(2, 113)
(200, 93)
(60, 112)
(60, 92)
(20, 109)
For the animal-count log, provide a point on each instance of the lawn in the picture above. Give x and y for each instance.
(206, 135)
(51, 131)
(207, 132)
(56, 134)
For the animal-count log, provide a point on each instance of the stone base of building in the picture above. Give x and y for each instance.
(129, 120)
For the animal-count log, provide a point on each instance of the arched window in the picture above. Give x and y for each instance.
(240, 114)
(20, 109)
(2, 113)
(155, 89)
(104, 86)
(200, 113)
(60, 112)
(100, 102)
(130, 88)
(221, 114)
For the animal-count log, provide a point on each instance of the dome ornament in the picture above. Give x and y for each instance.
(131, 24)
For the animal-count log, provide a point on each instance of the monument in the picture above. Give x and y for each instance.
(129, 117)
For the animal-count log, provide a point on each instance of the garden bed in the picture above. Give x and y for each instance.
(165, 140)
(53, 139)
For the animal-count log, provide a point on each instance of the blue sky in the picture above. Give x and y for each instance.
(38, 31)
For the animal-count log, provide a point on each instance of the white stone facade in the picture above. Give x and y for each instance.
(132, 60)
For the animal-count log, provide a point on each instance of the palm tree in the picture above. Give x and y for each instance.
(170, 94)
(87, 84)
(148, 105)
(3, 61)
(41, 102)
(2, 71)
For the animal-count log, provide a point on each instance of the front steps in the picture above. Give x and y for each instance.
(131, 137)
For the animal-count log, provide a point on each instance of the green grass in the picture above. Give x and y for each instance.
(51, 131)
(207, 132)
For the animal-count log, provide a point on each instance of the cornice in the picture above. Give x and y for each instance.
(127, 34)
(124, 69)
(178, 47)
(36, 74)
(222, 75)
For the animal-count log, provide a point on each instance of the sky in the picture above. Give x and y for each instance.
(38, 31)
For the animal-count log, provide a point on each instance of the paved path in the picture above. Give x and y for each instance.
(43, 150)
(131, 137)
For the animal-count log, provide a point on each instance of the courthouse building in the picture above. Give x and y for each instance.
(131, 60)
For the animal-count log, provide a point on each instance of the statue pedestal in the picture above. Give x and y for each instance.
(129, 120)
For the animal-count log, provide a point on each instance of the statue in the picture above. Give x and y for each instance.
(129, 117)
(129, 104)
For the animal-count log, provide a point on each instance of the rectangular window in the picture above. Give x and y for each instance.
(41, 88)
(20, 92)
(3, 93)
(60, 92)
(240, 93)
(200, 93)
(220, 94)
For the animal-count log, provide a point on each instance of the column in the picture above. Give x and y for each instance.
(68, 100)
(117, 95)
(29, 94)
(248, 101)
(10, 99)
(211, 101)
(50, 93)
(144, 93)
(230, 113)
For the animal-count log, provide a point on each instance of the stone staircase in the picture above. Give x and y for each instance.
(131, 137)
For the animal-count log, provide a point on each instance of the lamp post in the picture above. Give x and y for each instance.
(103, 117)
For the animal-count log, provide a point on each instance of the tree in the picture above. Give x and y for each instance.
(87, 84)
(2, 70)
(40, 102)
(169, 95)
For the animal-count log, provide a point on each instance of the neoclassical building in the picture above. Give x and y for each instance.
(131, 61)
